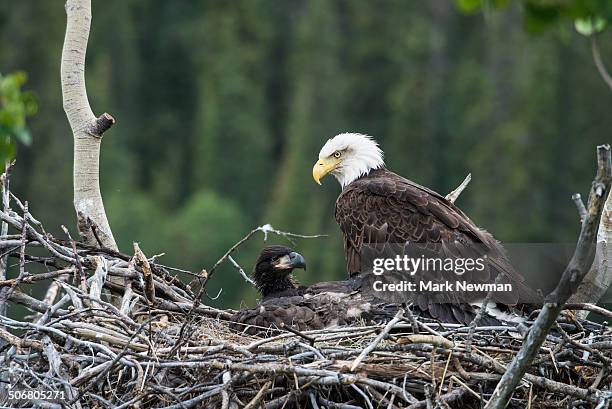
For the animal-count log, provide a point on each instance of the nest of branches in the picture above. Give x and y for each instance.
(152, 343)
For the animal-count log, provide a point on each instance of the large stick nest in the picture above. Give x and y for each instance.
(161, 348)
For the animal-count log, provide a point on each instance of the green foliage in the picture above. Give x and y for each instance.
(590, 26)
(15, 106)
(589, 16)
(470, 6)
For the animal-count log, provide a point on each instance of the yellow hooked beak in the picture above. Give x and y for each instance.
(323, 167)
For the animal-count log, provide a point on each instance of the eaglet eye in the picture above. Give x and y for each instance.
(337, 154)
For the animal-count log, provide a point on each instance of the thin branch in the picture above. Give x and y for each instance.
(6, 206)
(241, 271)
(398, 317)
(141, 262)
(603, 72)
(582, 211)
(588, 307)
(452, 196)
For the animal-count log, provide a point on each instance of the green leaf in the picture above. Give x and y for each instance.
(469, 6)
(23, 136)
(30, 104)
(589, 26)
(15, 107)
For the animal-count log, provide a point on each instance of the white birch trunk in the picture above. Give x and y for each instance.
(86, 128)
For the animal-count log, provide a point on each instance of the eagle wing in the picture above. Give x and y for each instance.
(322, 306)
(385, 209)
(276, 312)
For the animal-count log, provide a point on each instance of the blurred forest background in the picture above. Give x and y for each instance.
(222, 108)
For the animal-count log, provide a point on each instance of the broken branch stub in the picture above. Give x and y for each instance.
(141, 263)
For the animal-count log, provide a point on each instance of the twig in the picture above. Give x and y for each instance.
(253, 403)
(413, 322)
(454, 195)
(599, 63)
(378, 339)
(479, 314)
(582, 211)
(310, 339)
(6, 205)
(588, 307)
(449, 397)
(22, 248)
(79, 267)
(141, 262)
(240, 270)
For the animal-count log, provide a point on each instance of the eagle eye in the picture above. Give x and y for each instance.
(337, 154)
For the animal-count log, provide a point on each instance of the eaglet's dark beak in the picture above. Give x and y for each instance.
(296, 260)
(291, 261)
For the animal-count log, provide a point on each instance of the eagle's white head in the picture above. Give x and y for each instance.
(348, 156)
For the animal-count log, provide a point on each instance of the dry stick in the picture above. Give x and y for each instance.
(241, 270)
(378, 339)
(140, 261)
(79, 267)
(455, 379)
(588, 307)
(428, 401)
(450, 354)
(599, 63)
(435, 340)
(310, 340)
(226, 377)
(32, 303)
(22, 273)
(5, 178)
(33, 278)
(19, 342)
(607, 361)
(54, 287)
(582, 211)
(452, 196)
(24, 241)
(413, 322)
(450, 397)
(575, 271)
(479, 315)
(257, 398)
(55, 249)
(128, 294)
(115, 360)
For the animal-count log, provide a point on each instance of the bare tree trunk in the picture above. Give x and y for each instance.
(86, 128)
(599, 278)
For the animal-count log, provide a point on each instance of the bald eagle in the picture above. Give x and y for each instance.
(380, 208)
(285, 302)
